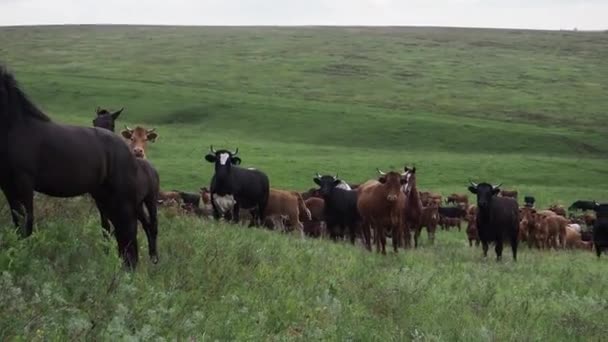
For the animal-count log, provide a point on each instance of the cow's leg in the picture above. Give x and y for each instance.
(366, 230)
(598, 250)
(484, 245)
(396, 237)
(498, 249)
(216, 210)
(417, 231)
(514, 243)
(459, 226)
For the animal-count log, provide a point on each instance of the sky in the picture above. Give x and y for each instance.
(529, 14)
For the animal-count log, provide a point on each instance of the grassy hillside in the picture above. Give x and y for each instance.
(524, 108)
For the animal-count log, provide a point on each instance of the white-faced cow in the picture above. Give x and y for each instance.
(249, 187)
(497, 218)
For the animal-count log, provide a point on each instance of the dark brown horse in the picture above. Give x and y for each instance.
(106, 119)
(412, 215)
(147, 187)
(37, 154)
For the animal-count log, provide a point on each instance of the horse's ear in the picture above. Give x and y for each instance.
(116, 114)
(152, 136)
(126, 134)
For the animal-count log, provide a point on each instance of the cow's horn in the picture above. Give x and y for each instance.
(496, 186)
(318, 175)
(151, 130)
(336, 176)
(380, 172)
(128, 129)
(212, 149)
(473, 183)
(236, 152)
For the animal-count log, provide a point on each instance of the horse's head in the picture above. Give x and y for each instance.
(106, 119)
(139, 138)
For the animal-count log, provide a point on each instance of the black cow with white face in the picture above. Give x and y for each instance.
(600, 228)
(341, 211)
(497, 218)
(249, 187)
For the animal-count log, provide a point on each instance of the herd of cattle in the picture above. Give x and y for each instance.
(67, 161)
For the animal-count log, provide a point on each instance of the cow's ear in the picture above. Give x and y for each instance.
(495, 191)
(126, 134)
(235, 160)
(337, 182)
(116, 114)
(210, 158)
(317, 181)
(473, 189)
(152, 136)
(382, 179)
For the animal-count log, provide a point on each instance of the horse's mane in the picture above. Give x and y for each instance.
(17, 97)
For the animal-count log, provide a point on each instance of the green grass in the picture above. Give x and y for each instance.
(526, 108)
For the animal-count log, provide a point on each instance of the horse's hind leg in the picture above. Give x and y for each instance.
(124, 218)
(150, 225)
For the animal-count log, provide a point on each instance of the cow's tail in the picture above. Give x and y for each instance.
(302, 205)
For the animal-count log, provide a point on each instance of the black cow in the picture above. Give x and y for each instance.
(340, 207)
(600, 228)
(190, 198)
(529, 201)
(497, 218)
(249, 187)
(452, 212)
(583, 205)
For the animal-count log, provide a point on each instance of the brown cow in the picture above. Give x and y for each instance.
(555, 230)
(314, 227)
(458, 199)
(427, 198)
(138, 139)
(558, 209)
(286, 204)
(472, 234)
(509, 193)
(430, 220)
(169, 198)
(380, 204)
(574, 240)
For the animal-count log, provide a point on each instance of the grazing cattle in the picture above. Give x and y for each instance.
(472, 234)
(340, 207)
(380, 205)
(497, 218)
(312, 192)
(529, 201)
(600, 228)
(574, 239)
(527, 226)
(457, 199)
(191, 199)
(289, 205)
(250, 188)
(427, 198)
(430, 220)
(105, 119)
(450, 222)
(555, 228)
(583, 205)
(589, 219)
(412, 208)
(558, 209)
(138, 139)
(509, 194)
(39, 155)
(169, 198)
(314, 227)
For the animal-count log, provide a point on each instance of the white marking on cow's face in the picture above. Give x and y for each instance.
(224, 158)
